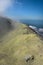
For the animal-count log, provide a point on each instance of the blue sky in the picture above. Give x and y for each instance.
(22, 9)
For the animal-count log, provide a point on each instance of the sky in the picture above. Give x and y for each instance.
(22, 9)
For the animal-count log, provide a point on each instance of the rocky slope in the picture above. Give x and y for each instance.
(20, 45)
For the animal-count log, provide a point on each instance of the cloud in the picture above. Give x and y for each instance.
(4, 4)
(40, 29)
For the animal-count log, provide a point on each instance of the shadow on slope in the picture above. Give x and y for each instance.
(6, 25)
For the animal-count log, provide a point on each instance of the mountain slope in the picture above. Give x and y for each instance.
(7, 25)
(18, 44)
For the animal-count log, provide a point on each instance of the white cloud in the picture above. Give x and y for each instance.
(4, 4)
